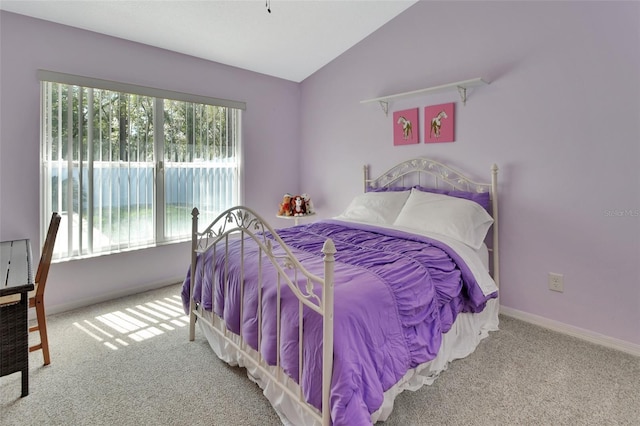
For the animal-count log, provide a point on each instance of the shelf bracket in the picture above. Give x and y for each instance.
(385, 107)
(462, 91)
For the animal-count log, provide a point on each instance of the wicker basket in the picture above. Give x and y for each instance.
(14, 339)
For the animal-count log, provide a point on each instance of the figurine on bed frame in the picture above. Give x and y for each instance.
(286, 206)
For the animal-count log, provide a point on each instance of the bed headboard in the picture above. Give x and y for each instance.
(433, 174)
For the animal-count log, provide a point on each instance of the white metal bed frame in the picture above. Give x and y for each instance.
(243, 222)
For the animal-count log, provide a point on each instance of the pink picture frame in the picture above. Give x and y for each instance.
(439, 123)
(406, 127)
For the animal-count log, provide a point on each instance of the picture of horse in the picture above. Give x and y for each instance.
(405, 127)
(439, 120)
(436, 124)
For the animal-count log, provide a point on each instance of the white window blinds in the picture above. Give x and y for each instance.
(125, 168)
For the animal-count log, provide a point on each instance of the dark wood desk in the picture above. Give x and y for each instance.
(16, 278)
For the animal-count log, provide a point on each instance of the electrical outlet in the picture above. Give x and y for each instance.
(556, 282)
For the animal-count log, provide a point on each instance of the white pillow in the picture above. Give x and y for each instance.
(464, 220)
(376, 207)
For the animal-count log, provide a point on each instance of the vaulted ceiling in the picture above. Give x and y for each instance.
(290, 39)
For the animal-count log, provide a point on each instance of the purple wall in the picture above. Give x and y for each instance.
(270, 131)
(560, 118)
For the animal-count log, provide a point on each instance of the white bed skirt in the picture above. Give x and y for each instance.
(463, 338)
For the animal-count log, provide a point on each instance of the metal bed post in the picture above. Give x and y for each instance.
(194, 245)
(494, 211)
(366, 178)
(329, 250)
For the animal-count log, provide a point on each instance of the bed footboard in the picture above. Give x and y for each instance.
(233, 232)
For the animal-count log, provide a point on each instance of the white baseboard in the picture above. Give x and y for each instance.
(55, 309)
(590, 336)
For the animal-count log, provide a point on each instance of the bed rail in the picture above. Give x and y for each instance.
(243, 224)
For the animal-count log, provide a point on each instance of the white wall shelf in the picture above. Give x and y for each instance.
(461, 86)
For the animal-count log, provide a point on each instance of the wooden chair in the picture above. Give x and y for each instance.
(36, 297)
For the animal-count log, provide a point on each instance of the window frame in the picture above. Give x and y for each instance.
(160, 234)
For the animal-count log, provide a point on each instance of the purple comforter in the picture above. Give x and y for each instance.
(395, 295)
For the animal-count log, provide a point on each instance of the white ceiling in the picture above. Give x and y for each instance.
(296, 39)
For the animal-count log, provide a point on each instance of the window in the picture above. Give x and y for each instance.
(125, 165)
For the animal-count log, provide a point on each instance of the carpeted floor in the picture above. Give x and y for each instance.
(107, 368)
